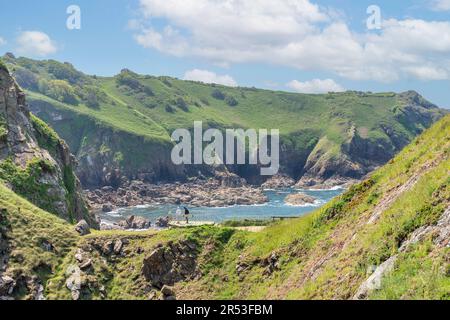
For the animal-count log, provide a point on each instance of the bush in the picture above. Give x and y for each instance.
(231, 101)
(59, 90)
(180, 103)
(217, 94)
(170, 109)
(129, 79)
(64, 71)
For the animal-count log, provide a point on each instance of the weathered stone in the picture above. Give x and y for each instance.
(7, 285)
(299, 199)
(118, 245)
(107, 208)
(137, 223)
(167, 291)
(83, 228)
(172, 263)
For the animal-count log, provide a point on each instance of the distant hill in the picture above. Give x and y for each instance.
(119, 127)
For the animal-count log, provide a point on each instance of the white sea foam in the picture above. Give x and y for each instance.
(328, 189)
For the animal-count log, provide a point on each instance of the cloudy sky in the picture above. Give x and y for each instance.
(309, 46)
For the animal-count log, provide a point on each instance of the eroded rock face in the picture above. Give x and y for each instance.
(170, 264)
(24, 139)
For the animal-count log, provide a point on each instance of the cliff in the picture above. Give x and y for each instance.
(34, 161)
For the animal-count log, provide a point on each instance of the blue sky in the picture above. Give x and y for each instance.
(313, 46)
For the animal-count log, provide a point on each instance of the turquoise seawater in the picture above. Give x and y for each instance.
(275, 207)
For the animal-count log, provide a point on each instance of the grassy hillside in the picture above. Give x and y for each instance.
(400, 215)
(335, 134)
(33, 243)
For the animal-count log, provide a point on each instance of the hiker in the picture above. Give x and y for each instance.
(186, 214)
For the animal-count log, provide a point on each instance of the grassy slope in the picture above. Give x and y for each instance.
(323, 255)
(27, 228)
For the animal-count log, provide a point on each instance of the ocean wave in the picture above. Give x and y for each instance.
(306, 205)
(143, 206)
(336, 188)
(115, 214)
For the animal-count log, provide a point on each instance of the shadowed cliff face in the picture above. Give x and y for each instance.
(34, 162)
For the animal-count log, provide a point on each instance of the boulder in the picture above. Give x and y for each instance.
(167, 291)
(162, 222)
(137, 223)
(7, 285)
(107, 207)
(83, 228)
(299, 199)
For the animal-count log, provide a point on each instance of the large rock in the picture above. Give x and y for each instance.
(83, 228)
(299, 199)
(138, 223)
(170, 264)
(6, 286)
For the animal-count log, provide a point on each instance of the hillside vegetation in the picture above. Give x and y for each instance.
(385, 238)
(124, 123)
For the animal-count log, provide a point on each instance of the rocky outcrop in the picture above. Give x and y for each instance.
(209, 193)
(32, 151)
(137, 223)
(171, 263)
(299, 199)
(278, 181)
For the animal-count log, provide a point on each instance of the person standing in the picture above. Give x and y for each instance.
(186, 214)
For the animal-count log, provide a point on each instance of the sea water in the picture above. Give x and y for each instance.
(274, 207)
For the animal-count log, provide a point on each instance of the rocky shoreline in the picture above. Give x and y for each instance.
(210, 193)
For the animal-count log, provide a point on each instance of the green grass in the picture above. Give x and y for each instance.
(27, 228)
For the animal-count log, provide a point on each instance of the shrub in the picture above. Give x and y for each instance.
(59, 90)
(170, 109)
(217, 94)
(180, 103)
(64, 71)
(231, 101)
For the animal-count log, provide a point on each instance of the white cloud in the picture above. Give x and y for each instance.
(2, 41)
(315, 86)
(440, 5)
(209, 77)
(295, 33)
(35, 43)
